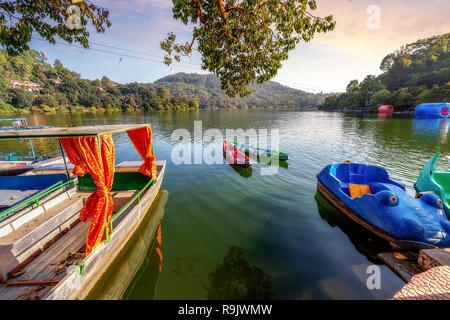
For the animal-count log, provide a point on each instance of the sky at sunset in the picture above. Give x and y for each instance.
(354, 49)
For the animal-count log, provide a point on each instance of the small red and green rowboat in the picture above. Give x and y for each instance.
(234, 155)
(261, 153)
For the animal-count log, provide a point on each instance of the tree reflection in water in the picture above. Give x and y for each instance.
(234, 278)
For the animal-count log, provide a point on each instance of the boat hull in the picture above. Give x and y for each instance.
(262, 153)
(343, 208)
(78, 283)
(234, 155)
(438, 182)
(118, 277)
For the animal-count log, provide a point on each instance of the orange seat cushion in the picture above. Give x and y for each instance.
(358, 190)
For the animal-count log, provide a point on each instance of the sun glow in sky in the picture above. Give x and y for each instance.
(366, 31)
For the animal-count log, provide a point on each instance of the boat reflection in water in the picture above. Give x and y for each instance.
(247, 172)
(384, 115)
(430, 126)
(276, 163)
(142, 254)
(365, 242)
(242, 171)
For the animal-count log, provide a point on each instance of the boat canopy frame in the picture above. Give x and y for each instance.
(61, 132)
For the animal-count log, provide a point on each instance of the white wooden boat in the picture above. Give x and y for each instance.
(44, 258)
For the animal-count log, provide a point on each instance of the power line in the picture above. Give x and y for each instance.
(112, 52)
(194, 64)
(303, 86)
(138, 52)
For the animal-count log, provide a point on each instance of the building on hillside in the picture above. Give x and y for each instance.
(57, 81)
(25, 85)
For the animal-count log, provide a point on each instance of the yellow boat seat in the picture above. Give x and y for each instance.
(358, 190)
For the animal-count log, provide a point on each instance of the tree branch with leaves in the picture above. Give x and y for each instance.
(244, 41)
(20, 18)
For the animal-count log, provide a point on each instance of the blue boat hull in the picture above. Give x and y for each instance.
(387, 210)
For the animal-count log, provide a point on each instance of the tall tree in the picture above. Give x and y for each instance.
(66, 19)
(243, 41)
(352, 86)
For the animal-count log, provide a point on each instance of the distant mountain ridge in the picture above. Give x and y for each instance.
(28, 84)
(206, 88)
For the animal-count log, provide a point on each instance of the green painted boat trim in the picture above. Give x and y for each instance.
(276, 154)
(122, 181)
(430, 179)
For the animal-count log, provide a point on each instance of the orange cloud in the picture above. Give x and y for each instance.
(401, 22)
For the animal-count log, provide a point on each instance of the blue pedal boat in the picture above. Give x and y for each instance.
(367, 195)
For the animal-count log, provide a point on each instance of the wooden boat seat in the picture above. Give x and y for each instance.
(358, 190)
(25, 239)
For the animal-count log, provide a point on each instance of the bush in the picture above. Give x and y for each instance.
(21, 98)
(6, 108)
(46, 99)
(48, 109)
(381, 97)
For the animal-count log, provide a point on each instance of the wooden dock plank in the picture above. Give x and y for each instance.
(402, 263)
(430, 258)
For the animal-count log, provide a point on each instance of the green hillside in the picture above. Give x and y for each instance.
(206, 88)
(62, 90)
(416, 73)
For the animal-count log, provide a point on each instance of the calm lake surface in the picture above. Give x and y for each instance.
(223, 226)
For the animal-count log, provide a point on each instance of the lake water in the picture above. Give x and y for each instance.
(226, 231)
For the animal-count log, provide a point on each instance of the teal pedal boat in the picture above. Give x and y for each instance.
(432, 180)
(261, 153)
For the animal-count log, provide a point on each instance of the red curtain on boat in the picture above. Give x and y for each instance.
(142, 140)
(71, 152)
(84, 152)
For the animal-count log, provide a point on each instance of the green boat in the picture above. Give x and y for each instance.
(261, 153)
(438, 182)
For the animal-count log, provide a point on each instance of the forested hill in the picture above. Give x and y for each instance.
(415, 73)
(206, 88)
(28, 83)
